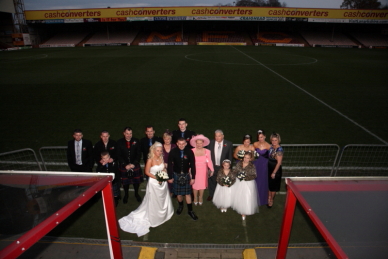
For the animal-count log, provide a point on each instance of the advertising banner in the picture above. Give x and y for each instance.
(21, 39)
(209, 11)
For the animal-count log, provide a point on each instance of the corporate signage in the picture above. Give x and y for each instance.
(204, 13)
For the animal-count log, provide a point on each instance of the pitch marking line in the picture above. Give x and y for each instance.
(316, 98)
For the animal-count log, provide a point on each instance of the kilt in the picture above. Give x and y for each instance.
(178, 189)
(137, 175)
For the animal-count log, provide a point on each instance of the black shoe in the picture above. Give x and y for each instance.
(174, 196)
(210, 198)
(125, 199)
(117, 201)
(138, 198)
(179, 210)
(192, 215)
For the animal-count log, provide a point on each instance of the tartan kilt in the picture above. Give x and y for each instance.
(178, 189)
(137, 175)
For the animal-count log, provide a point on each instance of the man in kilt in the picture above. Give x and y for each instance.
(128, 155)
(181, 163)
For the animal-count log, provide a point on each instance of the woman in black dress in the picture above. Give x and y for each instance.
(275, 155)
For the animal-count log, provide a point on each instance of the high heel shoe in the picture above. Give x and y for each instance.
(201, 201)
(195, 203)
(243, 217)
(270, 204)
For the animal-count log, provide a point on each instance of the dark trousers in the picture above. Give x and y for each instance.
(212, 181)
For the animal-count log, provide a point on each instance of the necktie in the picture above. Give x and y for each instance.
(181, 153)
(182, 134)
(218, 154)
(150, 142)
(78, 155)
(128, 144)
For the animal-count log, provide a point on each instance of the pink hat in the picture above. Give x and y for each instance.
(206, 141)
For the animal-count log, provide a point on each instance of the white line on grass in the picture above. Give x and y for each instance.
(316, 98)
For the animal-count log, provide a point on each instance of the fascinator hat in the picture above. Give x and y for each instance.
(205, 140)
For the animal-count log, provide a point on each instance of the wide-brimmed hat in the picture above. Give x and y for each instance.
(206, 141)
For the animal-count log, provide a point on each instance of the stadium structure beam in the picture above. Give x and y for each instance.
(19, 20)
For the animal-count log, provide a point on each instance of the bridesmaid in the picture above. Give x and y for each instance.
(275, 155)
(244, 191)
(246, 146)
(203, 161)
(261, 164)
(167, 146)
(223, 194)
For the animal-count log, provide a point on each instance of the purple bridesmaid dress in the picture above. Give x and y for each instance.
(261, 165)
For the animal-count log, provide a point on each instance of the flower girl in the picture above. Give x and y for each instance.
(225, 178)
(244, 192)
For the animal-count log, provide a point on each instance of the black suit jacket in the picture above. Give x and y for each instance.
(100, 147)
(188, 134)
(112, 168)
(177, 164)
(226, 153)
(145, 146)
(86, 154)
(127, 156)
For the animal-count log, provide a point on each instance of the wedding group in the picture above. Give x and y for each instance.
(182, 165)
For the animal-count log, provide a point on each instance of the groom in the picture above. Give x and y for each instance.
(220, 149)
(181, 162)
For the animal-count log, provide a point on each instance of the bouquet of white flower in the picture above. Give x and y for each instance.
(241, 176)
(240, 154)
(161, 176)
(226, 181)
(255, 155)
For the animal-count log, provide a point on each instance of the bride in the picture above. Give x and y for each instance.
(156, 207)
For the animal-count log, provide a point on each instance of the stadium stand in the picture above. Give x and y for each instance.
(371, 40)
(315, 38)
(220, 36)
(275, 37)
(63, 39)
(161, 37)
(103, 37)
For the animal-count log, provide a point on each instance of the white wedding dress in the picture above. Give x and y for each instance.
(155, 209)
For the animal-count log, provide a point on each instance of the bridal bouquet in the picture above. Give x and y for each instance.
(226, 181)
(161, 176)
(240, 154)
(241, 176)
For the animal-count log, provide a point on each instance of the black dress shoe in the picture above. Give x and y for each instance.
(125, 199)
(192, 215)
(209, 198)
(179, 210)
(138, 198)
(117, 201)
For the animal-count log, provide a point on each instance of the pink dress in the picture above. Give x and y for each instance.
(201, 165)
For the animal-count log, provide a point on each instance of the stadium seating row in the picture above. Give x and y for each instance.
(313, 38)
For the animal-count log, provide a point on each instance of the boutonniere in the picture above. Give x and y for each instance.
(184, 157)
(84, 149)
(112, 148)
(134, 143)
(187, 139)
(224, 145)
